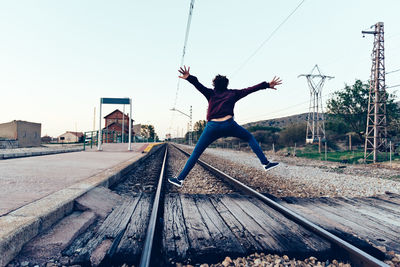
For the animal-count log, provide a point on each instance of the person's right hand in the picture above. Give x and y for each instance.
(185, 72)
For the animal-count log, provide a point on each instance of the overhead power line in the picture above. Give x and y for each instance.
(392, 71)
(393, 86)
(268, 38)
(183, 55)
(185, 45)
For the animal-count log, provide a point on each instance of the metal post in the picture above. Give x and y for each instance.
(94, 119)
(123, 123)
(273, 147)
(390, 152)
(350, 142)
(130, 125)
(84, 140)
(326, 151)
(100, 132)
(319, 144)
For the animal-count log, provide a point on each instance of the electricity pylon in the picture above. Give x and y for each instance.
(376, 131)
(315, 121)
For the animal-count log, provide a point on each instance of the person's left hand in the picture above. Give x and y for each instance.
(275, 81)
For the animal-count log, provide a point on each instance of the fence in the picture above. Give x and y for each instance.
(91, 138)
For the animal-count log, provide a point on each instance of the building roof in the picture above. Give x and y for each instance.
(77, 134)
(117, 111)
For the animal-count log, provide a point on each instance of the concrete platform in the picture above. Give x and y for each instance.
(38, 151)
(35, 192)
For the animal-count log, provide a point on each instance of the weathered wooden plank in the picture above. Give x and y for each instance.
(334, 224)
(175, 241)
(363, 214)
(386, 206)
(225, 241)
(246, 239)
(386, 228)
(200, 241)
(111, 229)
(340, 222)
(292, 238)
(130, 247)
(308, 241)
(263, 237)
(77, 245)
(392, 198)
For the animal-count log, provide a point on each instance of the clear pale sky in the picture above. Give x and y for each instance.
(57, 58)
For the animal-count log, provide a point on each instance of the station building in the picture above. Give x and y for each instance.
(117, 123)
(19, 133)
(70, 137)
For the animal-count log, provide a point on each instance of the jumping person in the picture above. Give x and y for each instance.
(220, 123)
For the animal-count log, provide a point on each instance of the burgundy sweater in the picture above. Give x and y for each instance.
(221, 103)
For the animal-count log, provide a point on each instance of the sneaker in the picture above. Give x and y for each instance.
(270, 165)
(175, 181)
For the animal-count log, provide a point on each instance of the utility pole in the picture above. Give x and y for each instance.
(191, 128)
(315, 121)
(376, 131)
(190, 123)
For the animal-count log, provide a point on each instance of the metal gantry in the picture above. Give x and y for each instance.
(376, 131)
(315, 121)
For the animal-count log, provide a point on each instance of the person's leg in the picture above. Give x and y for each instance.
(240, 132)
(209, 135)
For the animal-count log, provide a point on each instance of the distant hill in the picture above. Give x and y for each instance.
(279, 122)
(284, 121)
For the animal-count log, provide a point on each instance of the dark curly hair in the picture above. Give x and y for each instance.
(220, 83)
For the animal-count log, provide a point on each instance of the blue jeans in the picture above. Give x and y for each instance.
(215, 130)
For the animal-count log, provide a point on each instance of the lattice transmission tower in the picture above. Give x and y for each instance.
(376, 131)
(315, 121)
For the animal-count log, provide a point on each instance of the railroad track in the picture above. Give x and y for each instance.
(151, 227)
(356, 255)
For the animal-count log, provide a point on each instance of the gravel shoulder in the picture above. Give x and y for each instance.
(299, 177)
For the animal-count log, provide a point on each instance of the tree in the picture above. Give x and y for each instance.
(266, 135)
(199, 126)
(198, 129)
(148, 132)
(46, 139)
(263, 128)
(350, 106)
(293, 133)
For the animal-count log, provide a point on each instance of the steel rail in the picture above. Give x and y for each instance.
(359, 257)
(148, 244)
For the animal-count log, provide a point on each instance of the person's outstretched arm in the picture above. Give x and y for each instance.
(264, 85)
(193, 80)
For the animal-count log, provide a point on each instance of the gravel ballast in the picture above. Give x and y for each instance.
(198, 181)
(303, 178)
(296, 177)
